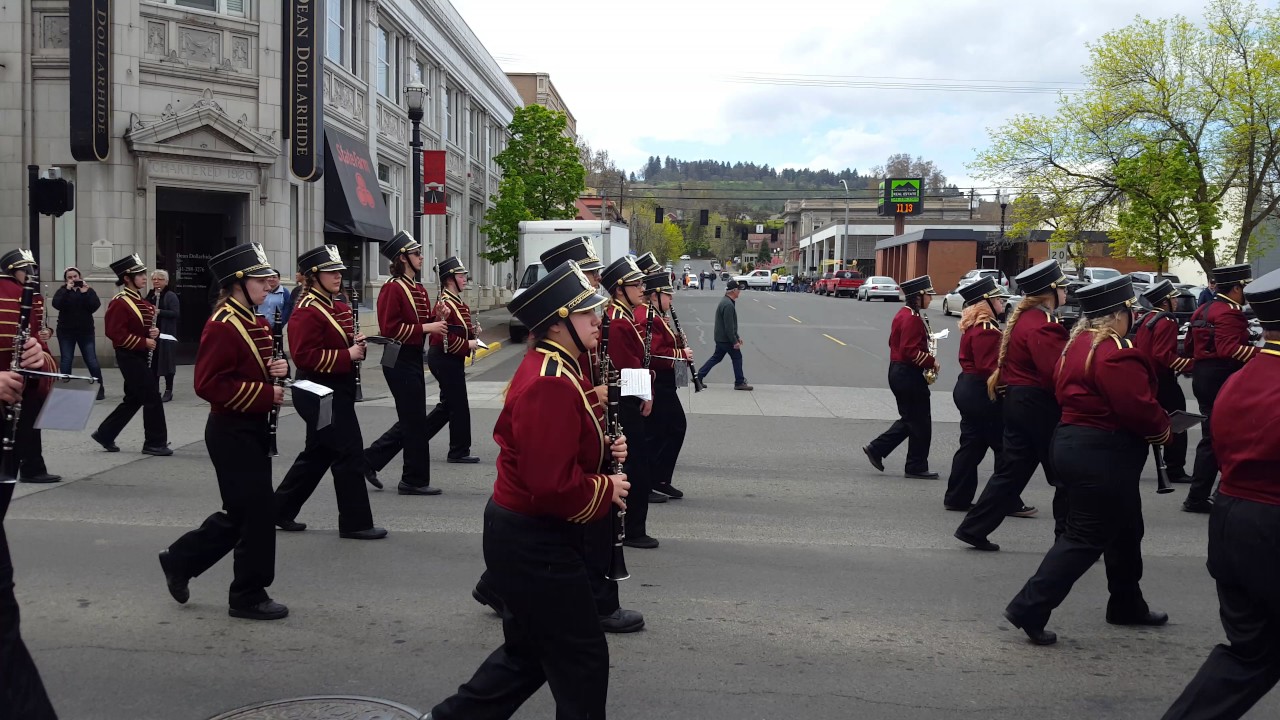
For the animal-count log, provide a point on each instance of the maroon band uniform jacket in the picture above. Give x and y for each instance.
(909, 340)
(1035, 347)
(10, 312)
(403, 308)
(626, 341)
(551, 440)
(1116, 393)
(662, 348)
(457, 316)
(1160, 343)
(1228, 339)
(980, 349)
(1244, 436)
(231, 363)
(128, 320)
(321, 332)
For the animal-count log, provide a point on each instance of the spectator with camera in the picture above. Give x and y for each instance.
(76, 302)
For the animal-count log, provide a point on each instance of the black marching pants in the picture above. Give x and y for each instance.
(22, 693)
(409, 390)
(454, 407)
(1030, 416)
(30, 444)
(1207, 378)
(141, 390)
(637, 467)
(665, 429)
(1169, 395)
(237, 446)
(550, 629)
(981, 429)
(915, 419)
(1101, 470)
(337, 447)
(1244, 550)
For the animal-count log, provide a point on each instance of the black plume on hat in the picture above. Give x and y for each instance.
(401, 242)
(578, 249)
(555, 296)
(1041, 278)
(1263, 295)
(1106, 296)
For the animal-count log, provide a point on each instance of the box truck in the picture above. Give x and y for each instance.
(611, 241)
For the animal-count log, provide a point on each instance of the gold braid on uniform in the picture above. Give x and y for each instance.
(1028, 302)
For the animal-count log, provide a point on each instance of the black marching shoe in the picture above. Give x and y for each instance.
(291, 525)
(656, 498)
(1180, 479)
(371, 477)
(622, 621)
(405, 488)
(176, 581)
(669, 490)
(485, 595)
(265, 610)
(168, 395)
(107, 445)
(1038, 636)
(642, 542)
(467, 459)
(876, 462)
(1197, 506)
(977, 542)
(157, 451)
(926, 475)
(102, 392)
(1150, 618)
(373, 533)
(43, 477)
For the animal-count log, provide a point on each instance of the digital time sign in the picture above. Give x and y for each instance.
(901, 196)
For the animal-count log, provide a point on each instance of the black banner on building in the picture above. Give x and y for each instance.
(304, 98)
(90, 79)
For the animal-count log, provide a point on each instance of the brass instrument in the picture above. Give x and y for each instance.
(277, 353)
(612, 378)
(13, 412)
(931, 374)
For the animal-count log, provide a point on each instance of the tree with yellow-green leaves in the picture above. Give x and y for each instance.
(1178, 127)
(672, 246)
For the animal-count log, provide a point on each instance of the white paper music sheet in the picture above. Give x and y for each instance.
(324, 416)
(636, 383)
(941, 334)
(167, 336)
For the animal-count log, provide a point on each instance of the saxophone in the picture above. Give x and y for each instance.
(931, 374)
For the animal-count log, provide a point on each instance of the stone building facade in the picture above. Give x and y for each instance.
(537, 89)
(197, 162)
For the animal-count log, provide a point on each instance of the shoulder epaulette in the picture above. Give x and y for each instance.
(1050, 317)
(1122, 343)
(224, 314)
(988, 325)
(551, 366)
(306, 301)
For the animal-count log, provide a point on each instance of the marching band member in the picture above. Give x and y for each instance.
(552, 444)
(1029, 352)
(16, 268)
(1219, 344)
(446, 359)
(1244, 531)
(130, 325)
(1107, 391)
(236, 375)
(1157, 336)
(404, 315)
(325, 346)
(580, 250)
(909, 359)
(667, 425)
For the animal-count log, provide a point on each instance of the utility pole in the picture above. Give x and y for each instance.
(844, 234)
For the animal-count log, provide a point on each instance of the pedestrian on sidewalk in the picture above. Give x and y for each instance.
(164, 362)
(236, 374)
(728, 342)
(446, 359)
(76, 302)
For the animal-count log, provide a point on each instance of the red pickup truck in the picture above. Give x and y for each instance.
(840, 282)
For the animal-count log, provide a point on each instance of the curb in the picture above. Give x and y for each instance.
(483, 353)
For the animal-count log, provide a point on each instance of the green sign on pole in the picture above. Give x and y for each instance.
(901, 196)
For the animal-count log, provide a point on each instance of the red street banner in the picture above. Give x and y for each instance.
(433, 201)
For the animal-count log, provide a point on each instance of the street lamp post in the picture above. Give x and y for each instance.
(844, 236)
(415, 97)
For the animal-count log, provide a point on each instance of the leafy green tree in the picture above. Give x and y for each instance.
(672, 243)
(765, 254)
(541, 172)
(1161, 216)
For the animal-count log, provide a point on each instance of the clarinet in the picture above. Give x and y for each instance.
(277, 353)
(611, 377)
(648, 338)
(155, 317)
(355, 321)
(12, 413)
(683, 344)
(1162, 471)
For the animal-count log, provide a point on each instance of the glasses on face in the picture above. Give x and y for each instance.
(415, 253)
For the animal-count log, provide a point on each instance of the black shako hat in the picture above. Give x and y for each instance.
(17, 259)
(1263, 295)
(659, 283)
(981, 289)
(240, 262)
(578, 249)
(325, 258)
(915, 286)
(648, 264)
(556, 295)
(401, 242)
(128, 265)
(622, 271)
(1160, 292)
(450, 266)
(1237, 274)
(1041, 278)
(1107, 296)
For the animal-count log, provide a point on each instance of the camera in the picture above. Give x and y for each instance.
(79, 283)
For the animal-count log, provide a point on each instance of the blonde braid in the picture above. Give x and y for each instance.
(1102, 327)
(1028, 302)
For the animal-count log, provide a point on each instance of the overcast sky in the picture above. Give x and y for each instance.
(768, 82)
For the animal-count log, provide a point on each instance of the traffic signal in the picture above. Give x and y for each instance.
(54, 196)
(717, 232)
(657, 216)
(704, 217)
(744, 234)
(773, 237)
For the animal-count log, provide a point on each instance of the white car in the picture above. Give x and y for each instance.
(684, 257)
(879, 286)
(755, 280)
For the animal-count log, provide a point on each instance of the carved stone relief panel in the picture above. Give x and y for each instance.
(53, 32)
(157, 43)
(390, 124)
(343, 97)
(200, 46)
(240, 51)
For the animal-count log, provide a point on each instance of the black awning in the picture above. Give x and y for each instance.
(352, 199)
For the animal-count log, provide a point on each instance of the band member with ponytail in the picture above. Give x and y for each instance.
(1157, 336)
(909, 359)
(1219, 343)
(981, 423)
(130, 325)
(667, 425)
(552, 446)
(1029, 352)
(446, 358)
(404, 315)
(1244, 530)
(325, 346)
(235, 374)
(1107, 390)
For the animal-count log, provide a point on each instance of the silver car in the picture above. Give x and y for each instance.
(879, 286)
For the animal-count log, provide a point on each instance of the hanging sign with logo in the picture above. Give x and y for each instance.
(433, 200)
(89, 43)
(303, 66)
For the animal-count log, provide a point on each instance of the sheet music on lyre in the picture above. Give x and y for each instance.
(635, 382)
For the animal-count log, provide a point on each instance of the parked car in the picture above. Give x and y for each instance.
(879, 286)
(1146, 280)
(953, 302)
(1093, 274)
(755, 280)
(997, 275)
(684, 257)
(725, 276)
(840, 282)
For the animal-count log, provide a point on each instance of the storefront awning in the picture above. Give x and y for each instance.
(352, 199)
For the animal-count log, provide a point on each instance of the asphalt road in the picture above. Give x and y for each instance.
(793, 581)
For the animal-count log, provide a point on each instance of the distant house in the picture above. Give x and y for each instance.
(589, 208)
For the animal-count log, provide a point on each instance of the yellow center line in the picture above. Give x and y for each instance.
(795, 318)
(832, 339)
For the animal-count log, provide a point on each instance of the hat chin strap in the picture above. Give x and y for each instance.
(573, 333)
